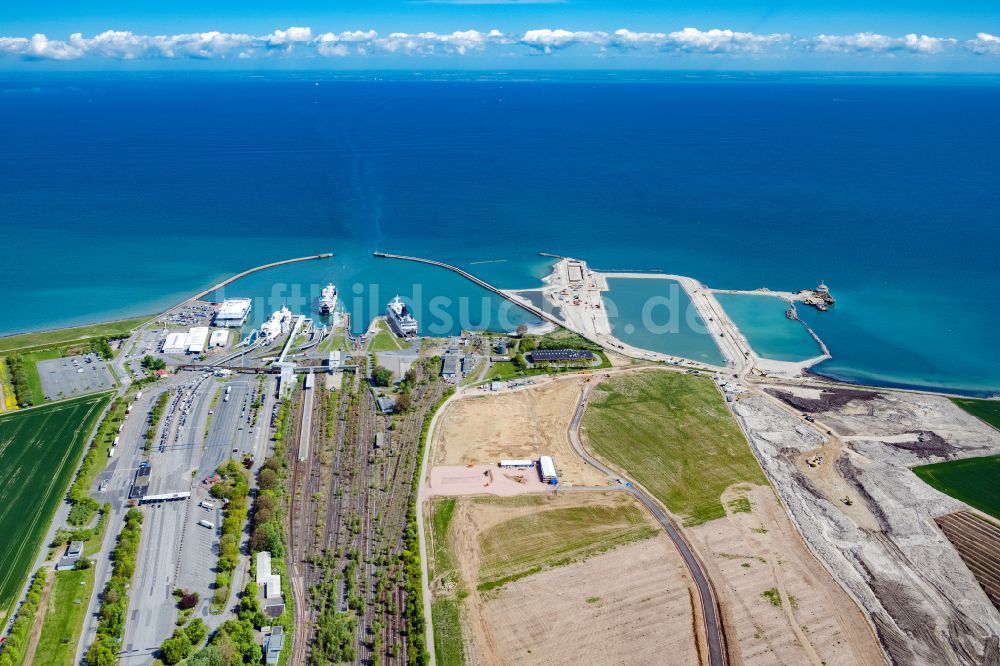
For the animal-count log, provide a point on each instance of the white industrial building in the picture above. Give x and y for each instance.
(176, 343)
(269, 583)
(547, 469)
(517, 464)
(196, 339)
(234, 312)
(218, 339)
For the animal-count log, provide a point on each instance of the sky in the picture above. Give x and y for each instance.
(842, 35)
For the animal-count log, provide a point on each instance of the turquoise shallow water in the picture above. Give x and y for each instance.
(762, 321)
(657, 314)
(121, 194)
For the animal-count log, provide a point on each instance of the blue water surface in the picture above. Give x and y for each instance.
(763, 322)
(120, 194)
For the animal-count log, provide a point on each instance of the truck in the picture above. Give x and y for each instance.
(111, 452)
(138, 395)
(128, 410)
(206, 504)
(206, 524)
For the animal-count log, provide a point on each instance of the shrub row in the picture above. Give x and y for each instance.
(64, 536)
(234, 641)
(235, 489)
(414, 612)
(154, 418)
(114, 599)
(83, 505)
(20, 632)
(19, 380)
(183, 642)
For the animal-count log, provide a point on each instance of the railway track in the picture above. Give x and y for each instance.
(347, 519)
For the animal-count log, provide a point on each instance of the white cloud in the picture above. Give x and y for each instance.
(124, 45)
(984, 44)
(289, 37)
(870, 42)
(548, 40)
(688, 40)
(723, 41)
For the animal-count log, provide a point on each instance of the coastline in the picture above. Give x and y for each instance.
(735, 347)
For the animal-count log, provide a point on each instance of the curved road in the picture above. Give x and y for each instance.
(709, 607)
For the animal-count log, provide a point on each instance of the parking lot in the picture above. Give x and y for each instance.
(74, 375)
(199, 552)
(205, 420)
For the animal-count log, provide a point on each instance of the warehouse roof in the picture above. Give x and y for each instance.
(561, 355)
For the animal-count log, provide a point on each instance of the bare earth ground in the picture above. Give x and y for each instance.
(885, 549)
(627, 606)
(483, 479)
(749, 553)
(520, 424)
(640, 606)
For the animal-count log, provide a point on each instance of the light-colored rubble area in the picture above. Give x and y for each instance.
(890, 415)
(926, 606)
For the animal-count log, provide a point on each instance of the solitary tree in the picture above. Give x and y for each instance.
(381, 376)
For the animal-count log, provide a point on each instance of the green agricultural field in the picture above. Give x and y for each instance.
(39, 452)
(523, 546)
(987, 410)
(673, 434)
(449, 648)
(440, 512)
(446, 606)
(62, 336)
(64, 615)
(972, 480)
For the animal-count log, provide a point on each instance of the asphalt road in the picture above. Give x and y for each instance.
(710, 609)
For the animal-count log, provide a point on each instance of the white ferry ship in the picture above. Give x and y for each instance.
(328, 300)
(400, 319)
(278, 323)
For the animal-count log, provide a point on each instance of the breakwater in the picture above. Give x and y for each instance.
(538, 312)
(249, 271)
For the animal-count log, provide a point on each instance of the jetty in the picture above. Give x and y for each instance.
(538, 312)
(820, 297)
(249, 271)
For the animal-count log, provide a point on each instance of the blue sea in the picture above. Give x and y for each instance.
(121, 194)
(763, 322)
